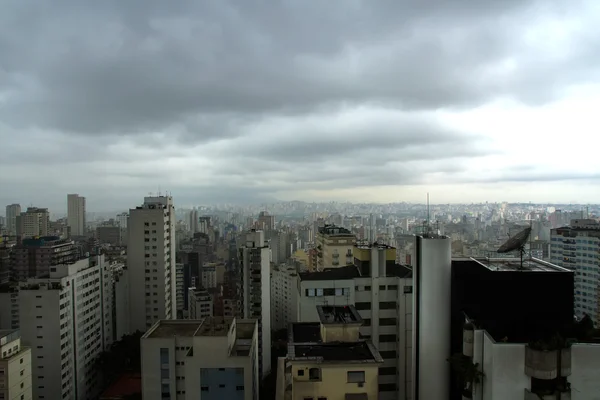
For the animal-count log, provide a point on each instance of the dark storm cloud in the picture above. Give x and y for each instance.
(145, 65)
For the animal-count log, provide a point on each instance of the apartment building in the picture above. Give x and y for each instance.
(328, 359)
(334, 246)
(255, 292)
(33, 222)
(382, 292)
(67, 323)
(12, 211)
(15, 367)
(284, 296)
(76, 214)
(35, 256)
(151, 262)
(210, 359)
(109, 234)
(576, 247)
(200, 304)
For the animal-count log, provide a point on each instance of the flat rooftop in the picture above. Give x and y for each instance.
(514, 265)
(8, 335)
(346, 352)
(362, 245)
(305, 332)
(170, 328)
(339, 315)
(214, 326)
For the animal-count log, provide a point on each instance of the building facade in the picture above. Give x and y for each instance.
(255, 291)
(210, 359)
(66, 319)
(15, 367)
(76, 214)
(576, 248)
(12, 211)
(334, 246)
(33, 222)
(151, 262)
(200, 304)
(284, 296)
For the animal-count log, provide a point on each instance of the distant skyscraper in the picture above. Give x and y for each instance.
(33, 222)
(194, 221)
(151, 262)
(12, 211)
(266, 222)
(76, 214)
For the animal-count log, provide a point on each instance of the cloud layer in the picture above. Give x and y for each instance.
(250, 101)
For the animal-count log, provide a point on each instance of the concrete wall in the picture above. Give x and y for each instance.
(334, 383)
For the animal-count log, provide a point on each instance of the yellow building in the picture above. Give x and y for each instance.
(334, 247)
(375, 255)
(329, 360)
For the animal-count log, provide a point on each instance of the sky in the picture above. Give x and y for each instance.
(252, 101)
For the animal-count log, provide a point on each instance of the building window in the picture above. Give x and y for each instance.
(300, 372)
(407, 289)
(204, 388)
(387, 387)
(381, 287)
(387, 371)
(356, 376)
(387, 305)
(392, 287)
(387, 321)
(387, 338)
(310, 292)
(239, 388)
(314, 374)
(368, 288)
(362, 305)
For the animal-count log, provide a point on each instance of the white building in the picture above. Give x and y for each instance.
(76, 214)
(193, 223)
(15, 367)
(256, 291)
(12, 211)
(121, 300)
(64, 320)
(514, 370)
(151, 262)
(200, 303)
(9, 307)
(210, 359)
(33, 222)
(122, 223)
(576, 248)
(284, 296)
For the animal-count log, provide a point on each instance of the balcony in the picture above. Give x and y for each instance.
(543, 364)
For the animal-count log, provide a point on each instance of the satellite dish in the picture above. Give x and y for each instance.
(516, 242)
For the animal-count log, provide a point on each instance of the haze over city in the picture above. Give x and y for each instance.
(223, 101)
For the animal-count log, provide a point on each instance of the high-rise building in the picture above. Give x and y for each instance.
(431, 318)
(66, 321)
(576, 248)
(12, 211)
(15, 367)
(194, 221)
(266, 222)
(381, 291)
(214, 359)
(334, 246)
(76, 214)
(514, 335)
(109, 234)
(33, 222)
(284, 296)
(255, 292)
(151, 262)
(200, 303)
(328, 359)
(34, 257)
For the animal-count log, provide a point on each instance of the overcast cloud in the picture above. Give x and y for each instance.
(250, 101)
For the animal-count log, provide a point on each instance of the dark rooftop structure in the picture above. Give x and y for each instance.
(334, 230)
(398, 270)
(305, 344)
(339, 315)
(516, 304)
(347, 272)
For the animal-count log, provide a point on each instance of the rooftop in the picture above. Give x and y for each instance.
(514, 265)
(8, 335)
(364, 245)
(125, 386)
(170, 328)
(339, 315)
(356, 351)
(214, 326)
(334, 230)
(328, 274)
(398, 270)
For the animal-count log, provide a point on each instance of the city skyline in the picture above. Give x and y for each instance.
(226, 102)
